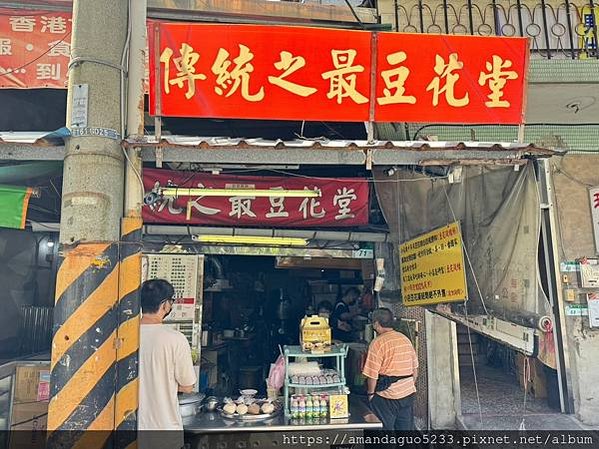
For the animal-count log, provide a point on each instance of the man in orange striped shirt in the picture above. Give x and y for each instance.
(391, 369)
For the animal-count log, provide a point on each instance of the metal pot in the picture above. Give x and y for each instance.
(211, 404)
(189, 404)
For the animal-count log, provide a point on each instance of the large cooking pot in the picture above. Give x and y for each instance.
(189, 403)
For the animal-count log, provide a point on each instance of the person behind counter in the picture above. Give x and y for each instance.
(344, 311)
(324, 309)
(391, 369)
(165, 364)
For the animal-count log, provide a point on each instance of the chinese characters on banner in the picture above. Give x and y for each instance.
(342, 202)
(296, 73)
(35, 47)
(432, 268)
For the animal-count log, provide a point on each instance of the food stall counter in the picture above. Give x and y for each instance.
(361, 418)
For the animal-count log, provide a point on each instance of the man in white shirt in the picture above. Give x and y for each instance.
(165, 364)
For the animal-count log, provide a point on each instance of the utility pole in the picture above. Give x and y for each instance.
(86, 343)
(127, 397)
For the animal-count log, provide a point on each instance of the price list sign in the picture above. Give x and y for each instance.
(432, 268)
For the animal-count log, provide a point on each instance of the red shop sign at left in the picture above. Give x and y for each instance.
(35, 47)
(343, 202)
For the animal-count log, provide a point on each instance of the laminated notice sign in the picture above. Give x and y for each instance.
(432, 268)
(593, 307)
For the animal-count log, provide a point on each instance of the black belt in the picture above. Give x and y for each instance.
(384, 382)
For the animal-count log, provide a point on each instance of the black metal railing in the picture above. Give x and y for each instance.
(556, 29)
(35, 329)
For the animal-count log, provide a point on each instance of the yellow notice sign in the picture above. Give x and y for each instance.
(432, 268)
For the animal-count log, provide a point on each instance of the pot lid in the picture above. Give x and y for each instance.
(190, 398)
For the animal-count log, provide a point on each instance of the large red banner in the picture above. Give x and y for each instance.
(343, 202)
(35, 47)
(297, 73)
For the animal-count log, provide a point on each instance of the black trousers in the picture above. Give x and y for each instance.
(395, 414)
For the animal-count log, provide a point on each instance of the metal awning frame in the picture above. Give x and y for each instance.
(260, 152)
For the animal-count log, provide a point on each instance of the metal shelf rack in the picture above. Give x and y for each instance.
(338, 352)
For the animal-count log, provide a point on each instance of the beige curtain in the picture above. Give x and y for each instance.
(498, 209)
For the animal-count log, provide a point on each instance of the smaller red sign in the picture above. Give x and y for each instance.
(450, 79)
(344, 202)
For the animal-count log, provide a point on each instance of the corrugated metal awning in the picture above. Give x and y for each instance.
(225, 150)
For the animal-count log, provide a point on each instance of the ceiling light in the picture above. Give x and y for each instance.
(269, 193)
(251, 240)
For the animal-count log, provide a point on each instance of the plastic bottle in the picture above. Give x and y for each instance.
(324, 406)
(309, 407)
(302, 408)
(294, 407)
(315, 406)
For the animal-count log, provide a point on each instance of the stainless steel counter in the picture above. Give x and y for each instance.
(212, 422)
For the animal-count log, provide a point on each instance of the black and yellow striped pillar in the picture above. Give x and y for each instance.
(127, 385)
(94, 365)
(84, 346)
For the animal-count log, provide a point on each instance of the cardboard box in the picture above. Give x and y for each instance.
(29, 416)
(30, 407)
(32, 383)
(315, 333)
(31, 421)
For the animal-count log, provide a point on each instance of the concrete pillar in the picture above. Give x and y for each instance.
(92, 199)
(387, 11)
(443, 372)
(571, 177)
(85, 360)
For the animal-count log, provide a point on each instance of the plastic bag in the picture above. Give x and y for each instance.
(276, 376)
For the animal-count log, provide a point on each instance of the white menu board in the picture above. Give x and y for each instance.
(184, 272)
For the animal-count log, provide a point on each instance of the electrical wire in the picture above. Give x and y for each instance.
(125, 64)
(124, 87)
(137, 174)
(317, 178)
(480, 409)
(526, 375)
(560, 171)
(370, 180)
(482, 300)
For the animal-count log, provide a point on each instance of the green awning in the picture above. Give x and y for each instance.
(13, 206)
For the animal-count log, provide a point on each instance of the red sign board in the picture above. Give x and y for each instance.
(450, 79)
(296, 73)
(344, 202)
(35, 47)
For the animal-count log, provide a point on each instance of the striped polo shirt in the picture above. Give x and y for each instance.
(392, 354)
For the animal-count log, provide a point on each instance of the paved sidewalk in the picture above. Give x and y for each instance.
(502, 405)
